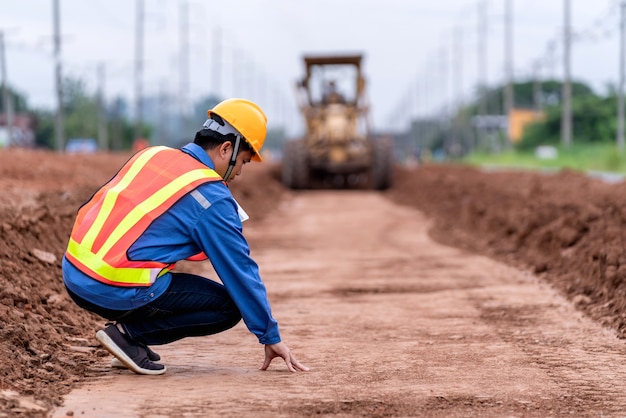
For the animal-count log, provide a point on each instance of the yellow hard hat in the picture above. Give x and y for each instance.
(249, 120)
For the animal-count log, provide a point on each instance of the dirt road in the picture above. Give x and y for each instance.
(391, 324)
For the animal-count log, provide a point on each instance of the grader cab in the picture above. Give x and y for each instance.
(337, 149)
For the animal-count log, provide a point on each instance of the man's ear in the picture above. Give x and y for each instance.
(224, 149)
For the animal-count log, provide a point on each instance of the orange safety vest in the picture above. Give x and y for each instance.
(118, 214)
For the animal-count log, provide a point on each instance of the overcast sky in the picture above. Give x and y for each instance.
(261, 43)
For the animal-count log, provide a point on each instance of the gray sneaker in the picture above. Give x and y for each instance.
(116, 364)
(131, 354)
(152, 355)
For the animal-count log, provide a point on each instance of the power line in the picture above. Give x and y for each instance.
(184, 67)
(217, 62)
(566, 117)
(139, 68)
(103, 138)
(6, 98)
(59, 122)
(482, 57)
(622, 75)
(509, 99)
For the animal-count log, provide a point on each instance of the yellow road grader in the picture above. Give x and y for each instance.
(337, 149)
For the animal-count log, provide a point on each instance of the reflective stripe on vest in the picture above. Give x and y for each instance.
(120, 212)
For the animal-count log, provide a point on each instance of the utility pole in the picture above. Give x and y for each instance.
(551, 65)
(250, 79)
(7, 102)
(236, 73)
(444, 121)
(620, 97)
(162, 126)
(482, 67)
(184, 68)
(139, 69)
(103, 137)
(566, 117)
(426, 105)
(59, 123)
(414, 127)
(509, 99)
(537, 86)
(116, 128)
(217, 62)
(458, 87)
(458, 66)
(443, 68)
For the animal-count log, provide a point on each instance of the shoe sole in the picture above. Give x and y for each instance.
(112, 348)
(116, 364)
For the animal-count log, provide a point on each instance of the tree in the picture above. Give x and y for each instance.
(524, 93)
(202, 105)
(593, 119)
(81, 110)
(81, 115)
(593, 115)
(20, 104)
(44, 128)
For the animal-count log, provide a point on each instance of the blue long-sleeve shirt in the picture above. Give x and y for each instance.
(192, 225)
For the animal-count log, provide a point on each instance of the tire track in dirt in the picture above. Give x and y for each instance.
(578, 362)
(391, 324)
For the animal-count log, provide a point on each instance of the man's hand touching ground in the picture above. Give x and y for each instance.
(281, 350)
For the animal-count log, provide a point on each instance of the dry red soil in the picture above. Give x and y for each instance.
(397, 311)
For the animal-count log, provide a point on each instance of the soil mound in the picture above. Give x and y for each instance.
(566, 227)
(46, 341)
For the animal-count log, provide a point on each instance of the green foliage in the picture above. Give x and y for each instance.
(81, 118)
(81, 111)
(614, 160)
(44, 129)
(204, 104)
(593, 119)
(428, 133)
(524, 94)
(603, 157)
(543, 132)
(20, 104)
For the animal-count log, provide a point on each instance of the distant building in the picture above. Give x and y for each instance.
(519, 119)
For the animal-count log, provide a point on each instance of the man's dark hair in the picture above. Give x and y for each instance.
(209, 139)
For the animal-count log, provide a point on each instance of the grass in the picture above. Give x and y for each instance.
(583, 157)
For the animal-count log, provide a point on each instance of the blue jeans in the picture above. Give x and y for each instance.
(192, 306)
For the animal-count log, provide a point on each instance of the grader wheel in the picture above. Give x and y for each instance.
(381, 172)
(295, 167)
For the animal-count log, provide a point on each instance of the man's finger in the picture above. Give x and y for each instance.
(266, 364)
(297, 364)
(300, 366)
(289, 364)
